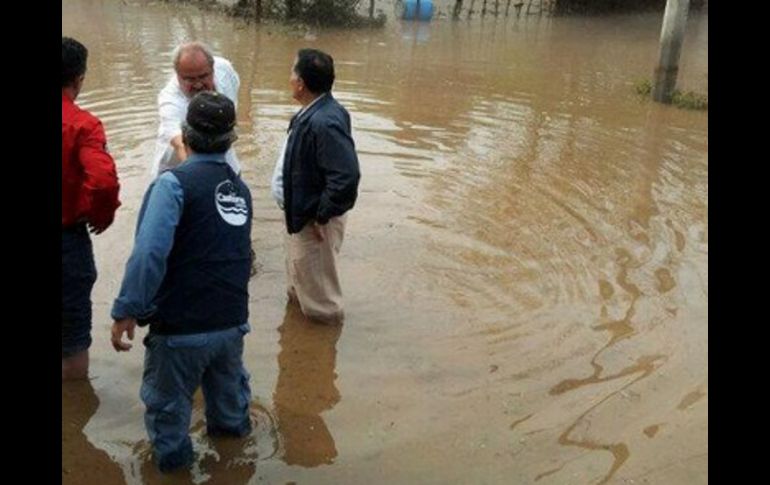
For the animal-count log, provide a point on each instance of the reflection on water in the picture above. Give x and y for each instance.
(305, 389)
(81, 461)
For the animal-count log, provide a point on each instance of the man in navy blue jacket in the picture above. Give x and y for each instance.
(315, 182)
(188, 279)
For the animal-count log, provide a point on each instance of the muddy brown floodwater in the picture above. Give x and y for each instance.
(525, 272)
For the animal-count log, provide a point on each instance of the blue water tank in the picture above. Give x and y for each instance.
(418, 10)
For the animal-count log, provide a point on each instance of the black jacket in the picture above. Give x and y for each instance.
(320, 171)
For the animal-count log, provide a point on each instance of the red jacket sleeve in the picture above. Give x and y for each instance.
(100, 184)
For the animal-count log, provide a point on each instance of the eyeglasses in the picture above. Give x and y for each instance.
(196, 79)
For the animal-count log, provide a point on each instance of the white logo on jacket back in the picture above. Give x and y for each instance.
(230, 204)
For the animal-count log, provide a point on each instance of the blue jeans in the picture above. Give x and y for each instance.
(78, 276)
(174, 367)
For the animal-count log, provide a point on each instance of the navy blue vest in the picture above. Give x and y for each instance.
(207, 274)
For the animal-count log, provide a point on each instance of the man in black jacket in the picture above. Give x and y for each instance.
(316, 182)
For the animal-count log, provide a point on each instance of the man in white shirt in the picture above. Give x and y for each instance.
(196, 69)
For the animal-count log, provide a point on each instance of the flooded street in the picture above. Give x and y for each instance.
(525, 272)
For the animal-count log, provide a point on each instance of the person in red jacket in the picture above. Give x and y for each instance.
(89, 200)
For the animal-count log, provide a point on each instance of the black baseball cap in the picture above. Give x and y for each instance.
(211, 113)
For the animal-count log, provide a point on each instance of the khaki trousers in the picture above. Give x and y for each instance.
(311, 270)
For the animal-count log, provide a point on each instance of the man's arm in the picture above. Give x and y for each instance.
(172, 110)
(337, 159)
(100, 184)
(146, 268)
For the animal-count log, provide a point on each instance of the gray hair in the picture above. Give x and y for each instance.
(192, 47)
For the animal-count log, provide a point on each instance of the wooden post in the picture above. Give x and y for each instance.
(371, 9)
(671, 39)
(458, 7)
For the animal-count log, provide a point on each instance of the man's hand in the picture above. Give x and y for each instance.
(179, 148)
(318, 231)
(125, 325)
(98, 227)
